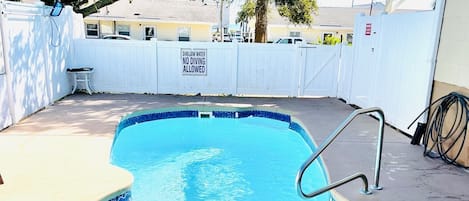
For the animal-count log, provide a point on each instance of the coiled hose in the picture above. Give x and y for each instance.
(447, 134)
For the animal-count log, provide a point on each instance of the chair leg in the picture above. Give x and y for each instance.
(74, 83)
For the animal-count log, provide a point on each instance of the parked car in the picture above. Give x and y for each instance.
(117, 37)
(290, 40)
(237, 38)
(216, 37)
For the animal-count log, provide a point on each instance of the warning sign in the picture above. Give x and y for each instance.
(368, 29)
(194, 61)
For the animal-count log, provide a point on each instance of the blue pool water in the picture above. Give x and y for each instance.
(250, 158)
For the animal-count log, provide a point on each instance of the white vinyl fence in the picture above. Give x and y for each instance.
(390, 64)
(319, 73)
(231, 68)
(393, 64)
(34, 48)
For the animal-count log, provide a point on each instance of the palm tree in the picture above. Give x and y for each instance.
(261, 21)
(296, 11)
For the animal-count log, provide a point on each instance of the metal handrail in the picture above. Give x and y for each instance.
(329, 140)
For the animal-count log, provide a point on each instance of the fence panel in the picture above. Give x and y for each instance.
(393, 69)
(318, 76)
(345, 73)
(37, 51)
(28, 39)
(406, 73)
(364, 73)
(120, 66)
(268, 69)
(220, 66)
(62, 30)
(5, 117)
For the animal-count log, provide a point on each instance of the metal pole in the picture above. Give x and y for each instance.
(221, 20)
(379, 150)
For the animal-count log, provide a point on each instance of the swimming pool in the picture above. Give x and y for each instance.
(184, 154)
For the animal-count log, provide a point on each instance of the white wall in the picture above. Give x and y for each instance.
(452, 67)
(36, 51)
(393, 67)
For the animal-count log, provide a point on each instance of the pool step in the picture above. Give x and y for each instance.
(205, 114)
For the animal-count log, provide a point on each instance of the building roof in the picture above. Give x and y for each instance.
(161, 10)
(327, 16)
(335, 16)
(207, 12)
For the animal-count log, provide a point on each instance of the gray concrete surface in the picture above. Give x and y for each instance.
(406, 175)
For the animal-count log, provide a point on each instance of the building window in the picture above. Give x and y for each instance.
(326, 35)
(295, 34)
(349, 38)
(92, 31)
(123, 30)
(149, 33)
(184, 33)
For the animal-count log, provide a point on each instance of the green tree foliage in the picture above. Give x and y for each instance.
(331, 40)
(82, 6)
(296, 11)
(248, 11)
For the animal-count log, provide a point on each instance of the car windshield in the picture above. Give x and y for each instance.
(114, 37)
(283, 41)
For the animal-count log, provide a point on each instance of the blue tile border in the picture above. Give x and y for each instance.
(304, 134)
(194, 113)
(266, 114)
(224, 114)
(155, 116)
(135, 118)
(126, 196)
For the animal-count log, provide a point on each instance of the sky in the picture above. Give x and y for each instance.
(407, 4)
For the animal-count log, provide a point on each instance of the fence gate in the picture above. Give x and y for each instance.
(318, 74)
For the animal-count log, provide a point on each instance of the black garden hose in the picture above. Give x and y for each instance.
(449, 144)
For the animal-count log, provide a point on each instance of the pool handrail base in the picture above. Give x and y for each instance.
(329, 140)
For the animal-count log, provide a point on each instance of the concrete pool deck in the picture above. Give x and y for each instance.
(65, 147)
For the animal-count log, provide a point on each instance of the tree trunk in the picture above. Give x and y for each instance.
(261, 21)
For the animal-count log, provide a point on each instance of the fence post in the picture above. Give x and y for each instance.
(6, 60)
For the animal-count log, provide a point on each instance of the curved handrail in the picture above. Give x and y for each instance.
(329, 140)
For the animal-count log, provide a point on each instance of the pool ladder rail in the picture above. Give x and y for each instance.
(357, 175)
